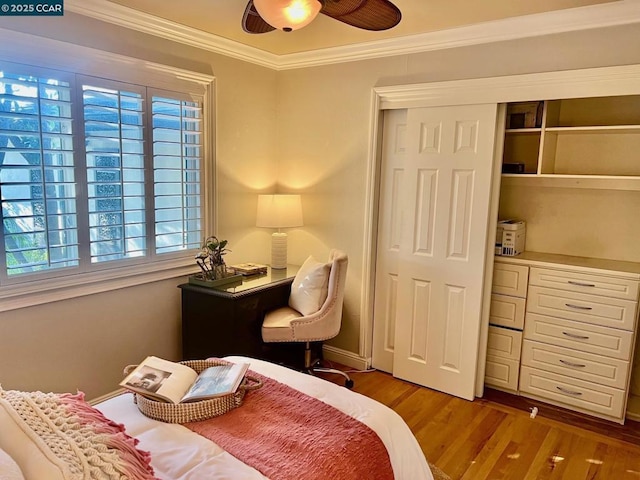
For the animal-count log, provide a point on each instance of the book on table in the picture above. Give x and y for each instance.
(173, 382)
(249, 268)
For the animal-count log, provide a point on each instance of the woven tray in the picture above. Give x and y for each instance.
(194, 411)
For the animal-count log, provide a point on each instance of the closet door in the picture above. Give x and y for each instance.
(392, 184)
(441, 256)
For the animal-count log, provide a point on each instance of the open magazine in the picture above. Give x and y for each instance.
(177, 383)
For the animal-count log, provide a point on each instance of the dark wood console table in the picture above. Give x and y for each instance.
(227, 320)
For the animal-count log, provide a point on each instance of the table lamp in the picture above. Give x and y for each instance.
(279, 211)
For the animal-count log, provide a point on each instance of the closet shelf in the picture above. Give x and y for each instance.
(601, 182)
(581, 143)
(596, 129)
(523, 130)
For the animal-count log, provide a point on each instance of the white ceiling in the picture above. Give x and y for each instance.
(223, 18)
(215, 25)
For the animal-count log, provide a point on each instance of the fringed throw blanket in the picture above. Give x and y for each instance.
(66, 435)
(288, 435)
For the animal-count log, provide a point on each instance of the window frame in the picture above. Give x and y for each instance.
(75, 62)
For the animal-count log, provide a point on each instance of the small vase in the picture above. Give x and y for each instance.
(218, 271)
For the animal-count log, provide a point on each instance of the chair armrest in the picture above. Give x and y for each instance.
(322, 325)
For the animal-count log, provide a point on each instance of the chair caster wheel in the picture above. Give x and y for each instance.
(348, 384)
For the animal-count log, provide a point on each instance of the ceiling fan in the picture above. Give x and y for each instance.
(262, 16)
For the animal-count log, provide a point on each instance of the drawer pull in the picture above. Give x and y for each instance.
(573, 393)
(578, 307)
(580, 284)
(577, 337)
(571, 364)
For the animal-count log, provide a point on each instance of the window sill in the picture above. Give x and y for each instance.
(39, 292)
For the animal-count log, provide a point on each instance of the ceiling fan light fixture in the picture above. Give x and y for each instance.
(288, 15)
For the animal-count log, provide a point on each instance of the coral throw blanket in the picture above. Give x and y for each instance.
(286, 434)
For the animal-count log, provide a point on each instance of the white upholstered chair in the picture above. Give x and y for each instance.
(286, 324)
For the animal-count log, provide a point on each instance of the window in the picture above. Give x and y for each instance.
(95, 174)
(177, 154)
(37, 174)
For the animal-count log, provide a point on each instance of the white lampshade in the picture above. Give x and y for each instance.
(288, 15)
(279, 211)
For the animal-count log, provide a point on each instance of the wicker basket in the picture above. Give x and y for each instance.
(194, 411)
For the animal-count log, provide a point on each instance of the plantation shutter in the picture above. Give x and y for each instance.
(177, 154)
(114, 144)
(96, 173)
(37, 174)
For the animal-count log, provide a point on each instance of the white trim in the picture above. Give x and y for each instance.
(344, 357)
(594, 82)
(494, 206)
(605, 15)
(106, 396)
(633, 407)
(210, 194)
(591, 82)
(18, 47)
(52, 54)
(622, 12)
(370, 228)
(592, 182)
(52, 290)
(632, 416)
(150, 24)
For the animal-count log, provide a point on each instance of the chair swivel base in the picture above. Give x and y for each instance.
(348, 383)
(313, 365)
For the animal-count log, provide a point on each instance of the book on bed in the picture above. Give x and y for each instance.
(173, 382)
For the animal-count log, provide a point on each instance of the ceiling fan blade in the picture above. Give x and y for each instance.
(252, 22)
(367, 14)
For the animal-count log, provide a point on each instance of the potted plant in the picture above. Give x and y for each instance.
(210, 259)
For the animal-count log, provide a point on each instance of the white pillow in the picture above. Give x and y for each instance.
(309, 287)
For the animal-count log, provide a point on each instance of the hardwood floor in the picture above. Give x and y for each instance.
(489, 439)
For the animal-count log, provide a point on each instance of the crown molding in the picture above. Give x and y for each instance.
(18, 47)
(588, 82)
(143, 22)
(620, 12)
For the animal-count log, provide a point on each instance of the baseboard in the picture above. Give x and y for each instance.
(633, 408)
(344, 357)
(632, 416)
(106, 396)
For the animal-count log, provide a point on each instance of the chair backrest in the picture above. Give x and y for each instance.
(326, 322)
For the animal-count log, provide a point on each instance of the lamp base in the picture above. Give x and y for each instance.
(279, 250)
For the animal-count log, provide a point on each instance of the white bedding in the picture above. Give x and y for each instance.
(177, 453)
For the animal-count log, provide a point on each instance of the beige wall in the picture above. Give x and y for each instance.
(585, 223)
(323, 132)
(85, 343)
(303, 130)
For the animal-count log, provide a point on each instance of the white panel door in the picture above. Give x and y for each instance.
(441, 258)
(392, 184)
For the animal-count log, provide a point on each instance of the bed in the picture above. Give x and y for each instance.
(178, 453)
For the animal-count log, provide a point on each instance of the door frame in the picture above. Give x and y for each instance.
(591, 82)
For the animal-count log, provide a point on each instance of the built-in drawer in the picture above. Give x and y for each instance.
(507, 311)
(579, 336)
(585, 283)
(571, 392)
(584, 366)
(510, 279)
(595, 309)
(502, 373)
(504, 343)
